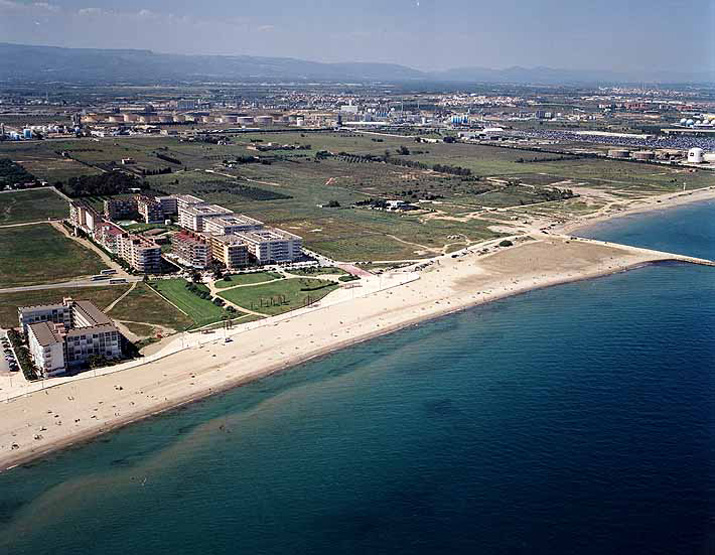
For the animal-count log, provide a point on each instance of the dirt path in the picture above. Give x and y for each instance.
(116, 301)
(23, 224)
(214, 291)
(91, 246)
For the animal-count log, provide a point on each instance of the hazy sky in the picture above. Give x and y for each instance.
(426, 34)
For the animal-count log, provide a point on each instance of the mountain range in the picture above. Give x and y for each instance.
(29, 63)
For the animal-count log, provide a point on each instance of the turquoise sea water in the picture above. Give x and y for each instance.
(575, 419)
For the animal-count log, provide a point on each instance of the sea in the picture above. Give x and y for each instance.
(577, 419)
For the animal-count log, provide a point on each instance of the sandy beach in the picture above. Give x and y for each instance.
(40, 422)
(637, 206)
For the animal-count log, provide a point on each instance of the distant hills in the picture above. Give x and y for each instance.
(26, 63)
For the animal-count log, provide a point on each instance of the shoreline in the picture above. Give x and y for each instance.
(497, 274)
(666, 201)
(176, 393)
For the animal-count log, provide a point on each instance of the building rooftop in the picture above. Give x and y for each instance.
(189, 199)
(53, 306)
(188, 236)
(270, 234)
(206, 210)
(229, 239)
(236, 220)
(100, 328)
(91, 313)
(46, 333)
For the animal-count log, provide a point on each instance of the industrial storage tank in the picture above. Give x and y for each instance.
(644, 155)
(619, 153)
(695, 155)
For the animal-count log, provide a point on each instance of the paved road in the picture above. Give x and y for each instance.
(78, 283)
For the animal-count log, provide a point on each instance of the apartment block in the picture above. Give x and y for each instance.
(169, 205)
(59, 313)
(142, 254)
(233, 223)
(191, 249)
(67, 335)
(184, 201)
(84, 216)
(229, 250)
(272, 245)
(150, 209)
(193, 216)
(120, 208)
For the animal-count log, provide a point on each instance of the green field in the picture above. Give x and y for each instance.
(201, 311)
(279, 296)
(318, 271)
(100, 296)
(142, 304)
(31, 205)
(39, 254)
(247, 279)
(288, 188)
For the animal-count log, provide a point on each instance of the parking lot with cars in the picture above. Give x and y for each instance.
(8, 362)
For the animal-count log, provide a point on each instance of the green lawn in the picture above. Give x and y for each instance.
(201, 311)
(247, 279)
(318, 271)
(280, 296)
(37, 254)
(31, 205)
(100, 296)
(144, 305)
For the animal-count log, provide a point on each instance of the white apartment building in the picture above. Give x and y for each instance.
(233, 223)
(66, 335)
(272, 245)
(45, 341)
(193, 216)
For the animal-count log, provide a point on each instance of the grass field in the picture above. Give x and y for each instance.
(39, 254)
(247, 279)
(100, 296)
(201, 311)
(31, 205)
(350, 234)
(318, 271)
(144, 305)
(279, 296)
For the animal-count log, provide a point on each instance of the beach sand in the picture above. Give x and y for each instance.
(43, 421)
